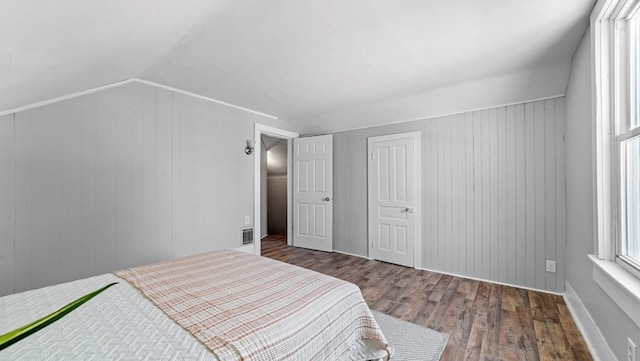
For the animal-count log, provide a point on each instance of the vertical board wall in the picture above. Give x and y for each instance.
(117, 178)
(493, 189)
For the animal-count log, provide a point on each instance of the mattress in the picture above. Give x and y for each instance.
(118, 324)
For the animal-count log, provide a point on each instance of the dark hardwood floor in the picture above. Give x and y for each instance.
(484, 321)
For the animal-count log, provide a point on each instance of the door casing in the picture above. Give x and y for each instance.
(259, 130)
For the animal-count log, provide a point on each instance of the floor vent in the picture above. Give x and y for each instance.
(247, 236)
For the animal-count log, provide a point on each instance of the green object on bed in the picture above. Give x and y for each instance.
(19, 333)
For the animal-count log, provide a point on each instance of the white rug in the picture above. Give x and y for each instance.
(411, 342)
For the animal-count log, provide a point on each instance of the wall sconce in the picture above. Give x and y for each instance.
(251, 144)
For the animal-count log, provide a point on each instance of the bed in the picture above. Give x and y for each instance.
(223, 305)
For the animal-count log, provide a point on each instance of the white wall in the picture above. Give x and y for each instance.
(118, 178)
(277, 200)
(493, 192)
(613, 323)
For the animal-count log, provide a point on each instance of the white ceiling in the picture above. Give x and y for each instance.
(321, 65)
(276, 155)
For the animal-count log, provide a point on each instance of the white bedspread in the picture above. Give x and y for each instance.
(246, 307)
(118, 324)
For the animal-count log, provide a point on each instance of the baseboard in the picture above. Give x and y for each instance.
(354, 255)
(490, 281)
(597, 344)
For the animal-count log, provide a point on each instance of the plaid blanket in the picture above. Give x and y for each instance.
(246, 307)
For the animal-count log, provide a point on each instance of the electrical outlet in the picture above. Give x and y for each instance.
(247, 220)
(631, 350)
(551, 266)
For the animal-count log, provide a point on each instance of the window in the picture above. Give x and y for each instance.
(616, 44)
(615, 26)
(628, 251)
(626, 122)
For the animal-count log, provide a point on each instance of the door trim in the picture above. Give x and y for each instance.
(417, 164)
(259, 130)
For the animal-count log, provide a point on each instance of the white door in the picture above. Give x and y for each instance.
(313, 192)
(394, 197)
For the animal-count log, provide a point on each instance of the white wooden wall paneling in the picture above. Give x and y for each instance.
(106, 181)
(530, 240)
(495, 260)
(215, 157)
(468, 194)
(202, 182)
(428, 174)
(456, 190)
(448, 194)
(164, 138)
(183, 128)
(7, 202)
(137, 177)
(437, 194)
(125, 243)
(444, 186)
(549, 189)
(145, 112)
(116, 178)
(71, 188)
(521, 195)
(511, 204)
(440, 213)
(560, 201)
(477, 195)
(177, 192)
(205, 172)
(488, 206)
(493, 192)
(22, 251)
(88, 178)
(539, 192)
(220, 159)
(502, 243)
(45, 195)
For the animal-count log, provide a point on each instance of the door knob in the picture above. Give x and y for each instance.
(408, 210)
(326, 199)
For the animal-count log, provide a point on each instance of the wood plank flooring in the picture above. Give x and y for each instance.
(484, 321)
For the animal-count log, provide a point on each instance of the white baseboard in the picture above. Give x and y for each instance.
(354, 255)
(597, 344)
(490, 281)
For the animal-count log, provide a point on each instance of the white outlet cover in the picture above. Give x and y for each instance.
(246, 220)
(551, 266)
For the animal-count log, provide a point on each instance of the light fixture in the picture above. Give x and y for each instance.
(251, 144)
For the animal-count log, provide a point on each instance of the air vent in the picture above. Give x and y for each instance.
(247, 236)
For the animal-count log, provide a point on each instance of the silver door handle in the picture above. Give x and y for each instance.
(326, 199)
(408, 210)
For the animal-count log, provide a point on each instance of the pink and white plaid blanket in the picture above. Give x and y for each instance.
(246, 307)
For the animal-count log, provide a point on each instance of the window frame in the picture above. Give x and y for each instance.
(625, 26)
(611, 96)
(612, 92)
(630, 264)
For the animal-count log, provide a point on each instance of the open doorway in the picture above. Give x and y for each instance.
(261, 193)
(274, 188)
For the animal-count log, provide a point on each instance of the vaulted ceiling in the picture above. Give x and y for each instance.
(321, 65)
